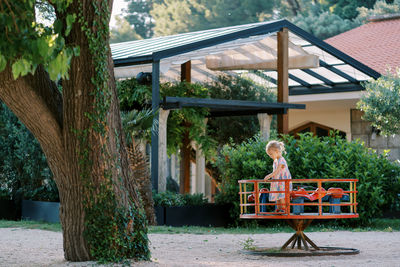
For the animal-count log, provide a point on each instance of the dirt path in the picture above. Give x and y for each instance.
(22, 247)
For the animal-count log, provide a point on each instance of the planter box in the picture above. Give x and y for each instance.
(160, 215)
(41, 211)
(9, 210)
(205, 215)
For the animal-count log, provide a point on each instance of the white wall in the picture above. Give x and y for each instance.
(323, 110)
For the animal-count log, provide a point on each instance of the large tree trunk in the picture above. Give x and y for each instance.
(81, 158)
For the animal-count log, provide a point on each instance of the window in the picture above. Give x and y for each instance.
(315, 128)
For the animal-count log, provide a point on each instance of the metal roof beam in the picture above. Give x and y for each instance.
(318, 76)
(230, 113)
(320, 89)
(337, 71)
(259, 30)
(300, 81)
(133, 61)
(215, 104)
(264, 76)
(330, 49)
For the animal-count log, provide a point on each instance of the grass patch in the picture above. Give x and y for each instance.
(55, 227)
(385, 225)
(217, 230)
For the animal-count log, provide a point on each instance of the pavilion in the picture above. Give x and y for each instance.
(276, 52)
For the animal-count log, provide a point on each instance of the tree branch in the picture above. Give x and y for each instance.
(37, 102)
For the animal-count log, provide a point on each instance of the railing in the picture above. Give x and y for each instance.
(315, 210)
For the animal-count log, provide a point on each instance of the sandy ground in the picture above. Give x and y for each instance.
(22, 247)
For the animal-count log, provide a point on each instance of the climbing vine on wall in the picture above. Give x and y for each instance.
(130, 92)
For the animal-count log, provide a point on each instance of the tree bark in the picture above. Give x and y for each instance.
(58, 121)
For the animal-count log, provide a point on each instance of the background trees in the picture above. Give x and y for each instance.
(381, 103)
(123, 31)
(24, 172)
(321, 18)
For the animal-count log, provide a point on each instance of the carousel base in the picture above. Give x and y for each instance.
(322, 251)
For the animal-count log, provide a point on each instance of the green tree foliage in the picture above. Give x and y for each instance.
(291, 8)
(324, 18)
(219, 130)
(347, 9)
(23, 171)
(131, 94)
(165, 17)
(138, 15)
(313, 157)
(35, 43)
(381, 103)
(236, 88)
(177, 120)
(122, 31)
(174, 16)
(177, 16)
(324, 25)
(380, 8)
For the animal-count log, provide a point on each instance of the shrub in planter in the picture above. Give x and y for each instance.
(172, 199)
(313, 157)
(167, 199)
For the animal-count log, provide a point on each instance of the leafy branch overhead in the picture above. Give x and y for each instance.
(31, 43)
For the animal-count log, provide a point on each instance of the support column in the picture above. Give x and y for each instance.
(265, 125)
(208, 188)
(174, 166)
(162, 144)
(155, 103)
(201, 166)
(200, 171)
(184, 179)
(283, 78)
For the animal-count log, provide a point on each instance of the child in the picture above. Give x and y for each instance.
(281, 171)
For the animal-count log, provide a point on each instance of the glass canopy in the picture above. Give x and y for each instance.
(251, 50)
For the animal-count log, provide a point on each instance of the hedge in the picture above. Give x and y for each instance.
(314, 157)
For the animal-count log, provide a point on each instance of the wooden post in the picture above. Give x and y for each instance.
(186, 69)
(256, 199)
(184, 179)
(283, 77)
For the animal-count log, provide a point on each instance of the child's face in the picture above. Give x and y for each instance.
(274, 153)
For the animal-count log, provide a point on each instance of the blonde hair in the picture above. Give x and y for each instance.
(276, 145)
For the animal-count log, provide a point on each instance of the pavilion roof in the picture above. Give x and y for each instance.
(334, 71)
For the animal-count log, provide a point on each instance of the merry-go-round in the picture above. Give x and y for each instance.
(305, 200)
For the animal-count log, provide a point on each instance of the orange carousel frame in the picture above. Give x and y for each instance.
(251, 189)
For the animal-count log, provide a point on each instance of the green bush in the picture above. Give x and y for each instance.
(171, 199)
(24, 172)
(313, 157)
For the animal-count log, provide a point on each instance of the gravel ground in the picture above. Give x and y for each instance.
(24, 247)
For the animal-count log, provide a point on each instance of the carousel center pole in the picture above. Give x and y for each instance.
(299, 225)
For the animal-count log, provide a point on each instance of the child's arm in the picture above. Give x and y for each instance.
(274, 173)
